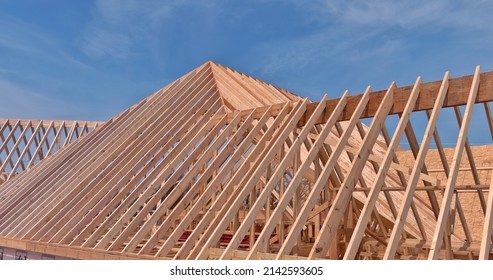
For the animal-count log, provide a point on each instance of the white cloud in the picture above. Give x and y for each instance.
(406, 13)
(119, 26)
(328, 44)
(7, 71)
(32, 41)
(377, 12)
(99, 43)
(118, 12)
(358, 30)
(20, 36)
(115, 11)
(22, 102)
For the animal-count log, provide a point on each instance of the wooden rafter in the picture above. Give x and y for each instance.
(220, 165)
(21, 141)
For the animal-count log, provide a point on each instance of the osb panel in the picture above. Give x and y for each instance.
(469, 199)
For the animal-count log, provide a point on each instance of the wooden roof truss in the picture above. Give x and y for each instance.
(219, 165)
(24, 143)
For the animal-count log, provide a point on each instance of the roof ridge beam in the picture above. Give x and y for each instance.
(457, 95)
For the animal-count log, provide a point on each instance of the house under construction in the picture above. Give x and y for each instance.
(220, 165)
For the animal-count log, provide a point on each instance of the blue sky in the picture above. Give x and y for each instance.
(89, 60)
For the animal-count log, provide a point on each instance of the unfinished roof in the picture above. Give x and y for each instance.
(218, 165)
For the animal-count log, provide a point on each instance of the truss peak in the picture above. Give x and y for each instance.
(240, 92)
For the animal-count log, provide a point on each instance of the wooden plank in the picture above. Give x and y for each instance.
(226, 214)
(69, 136)
(288, 193)
(472, 164)
(36, 176)
(267, 190)
(418, 165)
(207, 193)
(66, 251)
(10, 136)
(105, 205)
(388, 195)
(50, 197)
(149, 198)
(484, 252)
(344, 195)
(197, 238)
(486, 238)
(136, 164)
(446, 169)
(56, 139)
(15, 148)
(489, 117)
(2, 138)
(321, 181)
(178, 191)
(46, 123)
(372, 197)
(95, 151)
(26, 148)
(225, 190)
(449, 190)
(90, 171)
(415, 146)
(457, 95)
(44, 140)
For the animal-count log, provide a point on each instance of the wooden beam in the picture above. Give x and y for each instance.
(26, 148)
(457, 95)
(178, 190)
(197, 186)
(135, 165)
(288, 193)
(484, 252)
(159, 118)
(322, 179)
(226, 214)
(46, 123)
(68, 251)
(271, 184)
(446, 169)
(227, 188)
(418, 165)
(432, 180)
(344, 195)
(381, 176)
(207, 194)
(44, 140)
(449, 190)
(472, 164)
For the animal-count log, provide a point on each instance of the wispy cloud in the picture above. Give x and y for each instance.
(406, 13)
(327, 45)
(119, 12)
(352, 31)
(20, 36)
(99, 43)
(7, 71)
(384, 12)
(118, 27)
(31, 41)
(24, 103)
